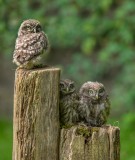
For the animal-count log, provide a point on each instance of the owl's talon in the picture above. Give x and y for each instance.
(82, 125)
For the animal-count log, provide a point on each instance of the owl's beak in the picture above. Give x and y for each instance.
(97, 96)
(34, 30)
(67, 89)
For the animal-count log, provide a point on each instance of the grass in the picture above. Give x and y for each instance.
(127, 135)
(127, 127)
(6, 140)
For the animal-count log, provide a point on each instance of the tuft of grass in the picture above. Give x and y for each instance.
(127, 135)
(6, 139)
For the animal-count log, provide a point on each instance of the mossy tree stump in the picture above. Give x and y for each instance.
(83, 143)
(36, 114)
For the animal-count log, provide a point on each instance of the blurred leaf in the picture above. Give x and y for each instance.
(88, 45)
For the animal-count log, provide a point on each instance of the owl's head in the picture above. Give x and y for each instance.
(66, 87)
(29, 26)
(93, 90)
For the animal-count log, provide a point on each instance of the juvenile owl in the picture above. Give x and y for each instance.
(31, 45)
(69, 101)
(94, 105)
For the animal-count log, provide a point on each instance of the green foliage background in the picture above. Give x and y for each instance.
(90, 40)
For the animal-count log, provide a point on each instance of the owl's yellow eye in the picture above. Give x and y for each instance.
(26, 28)
(61, 85)
(101, 90)
(71, 86)
(38, 28)
(91, 92)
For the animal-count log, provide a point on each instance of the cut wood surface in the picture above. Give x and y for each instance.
(93, 143)
(36, 114)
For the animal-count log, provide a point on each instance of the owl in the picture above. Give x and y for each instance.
(69, 101)
(94, 106)
(31, 45)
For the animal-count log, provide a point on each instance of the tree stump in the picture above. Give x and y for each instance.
(36, 114)
(90, 143)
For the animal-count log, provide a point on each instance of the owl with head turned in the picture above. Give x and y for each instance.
(69, 101)
(94, 106)
(31, 46)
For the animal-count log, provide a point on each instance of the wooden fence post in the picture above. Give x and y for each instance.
(36, 114)
(83, 143)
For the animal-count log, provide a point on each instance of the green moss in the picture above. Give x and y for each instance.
(94, 129)
(66, 126)
(84, 131)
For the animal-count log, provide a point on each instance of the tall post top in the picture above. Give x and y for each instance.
(39, 69)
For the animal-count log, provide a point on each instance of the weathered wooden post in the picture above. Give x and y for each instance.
(83, 143)
(36, 124)
(36, 114)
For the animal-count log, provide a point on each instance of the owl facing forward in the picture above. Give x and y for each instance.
(31, 45)
(94, 105)
(69, 101)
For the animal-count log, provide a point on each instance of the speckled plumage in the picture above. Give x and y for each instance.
(31, 45)
(94, 107)
(69, 101)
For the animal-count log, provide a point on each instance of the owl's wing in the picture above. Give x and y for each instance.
(75, 100)
(108, 106)
(103, 112)
(29, 46)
